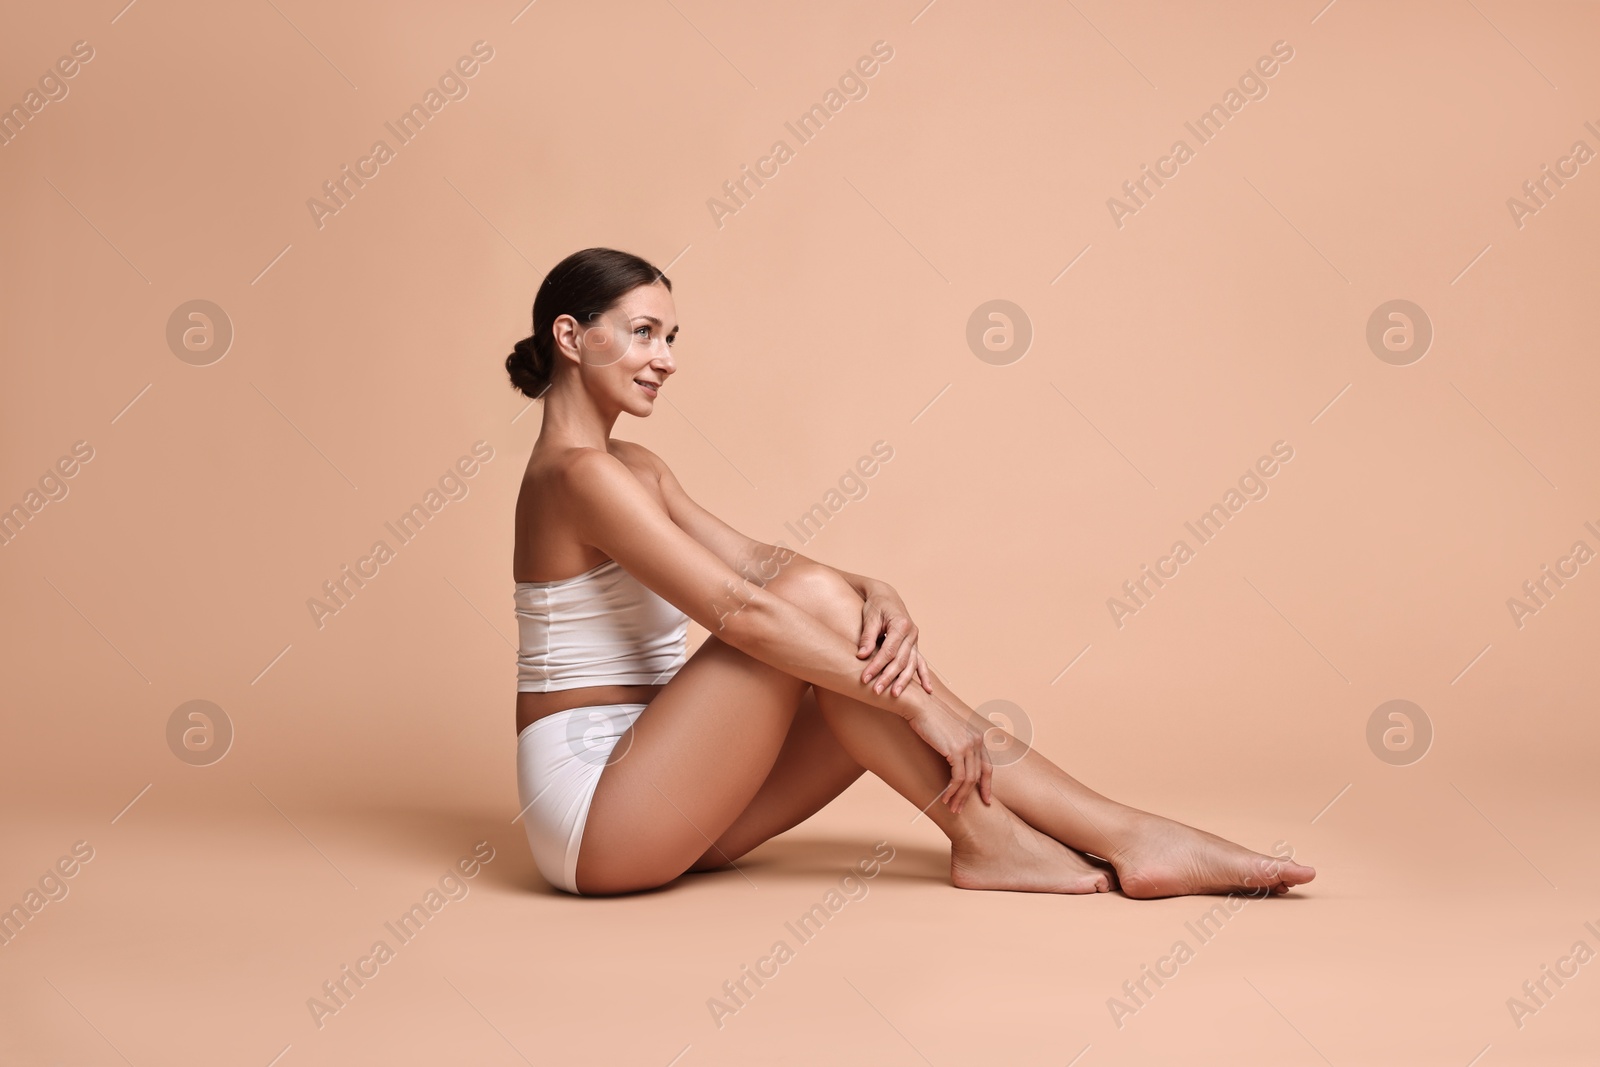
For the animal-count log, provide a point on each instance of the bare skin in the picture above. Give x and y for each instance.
(791, 698)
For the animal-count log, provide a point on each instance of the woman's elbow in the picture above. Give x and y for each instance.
(744, 619)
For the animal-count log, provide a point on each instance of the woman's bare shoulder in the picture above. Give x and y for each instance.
(556, 476)
(636, 457)
(549, 468)
(633, 451)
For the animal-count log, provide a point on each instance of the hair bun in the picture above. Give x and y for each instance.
(524, 367)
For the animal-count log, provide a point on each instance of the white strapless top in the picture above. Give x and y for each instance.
(601, 627)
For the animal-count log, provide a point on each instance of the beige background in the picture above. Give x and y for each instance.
(830, 312)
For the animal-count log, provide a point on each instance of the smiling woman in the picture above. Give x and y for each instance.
(776, 713)
(586, 286)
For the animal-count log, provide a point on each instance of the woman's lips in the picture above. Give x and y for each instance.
(649, 389)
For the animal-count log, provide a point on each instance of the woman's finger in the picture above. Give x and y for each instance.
(884, 638)
(975, 779)
(902, 664)
(906, 676)
(986, 776)
(924, 672)
(889, 651)
(969, 781)
(954, 759)
(982, 767)
(871, 627)
(965, 787)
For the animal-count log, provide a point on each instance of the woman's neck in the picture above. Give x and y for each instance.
(575, 420)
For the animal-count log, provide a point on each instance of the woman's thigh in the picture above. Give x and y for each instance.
(701, 767)
(811, 769)
(690, 764)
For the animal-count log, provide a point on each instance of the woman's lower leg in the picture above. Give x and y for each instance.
(1048, 798)
(1153, 856)
(990, 846)
(1038, 791)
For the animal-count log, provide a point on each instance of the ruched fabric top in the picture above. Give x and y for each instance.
(601, 627)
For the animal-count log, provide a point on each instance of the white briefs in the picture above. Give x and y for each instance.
(559, 760)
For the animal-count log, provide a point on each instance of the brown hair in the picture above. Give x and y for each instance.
(585, 285)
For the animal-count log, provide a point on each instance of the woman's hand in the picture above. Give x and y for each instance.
(960, 741)
(897, 660)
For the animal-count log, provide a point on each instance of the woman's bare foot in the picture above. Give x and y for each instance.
(1169, 859)
(1003, 852)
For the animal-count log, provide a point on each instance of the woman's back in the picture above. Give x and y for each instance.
(547, 548)
(589, 632)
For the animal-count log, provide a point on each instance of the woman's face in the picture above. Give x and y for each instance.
(626, 356)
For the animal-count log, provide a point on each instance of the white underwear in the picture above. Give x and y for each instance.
(559, 760)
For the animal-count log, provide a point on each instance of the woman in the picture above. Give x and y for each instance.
(776, 713)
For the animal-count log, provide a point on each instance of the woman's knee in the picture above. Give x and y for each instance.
(819, 591)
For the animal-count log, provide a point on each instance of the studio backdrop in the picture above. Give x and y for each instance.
(1215, 382)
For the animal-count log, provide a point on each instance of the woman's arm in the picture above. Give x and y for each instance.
(893, 664)
(743, 554)
(611, 511)
(614, 513)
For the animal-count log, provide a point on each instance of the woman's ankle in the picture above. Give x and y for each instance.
(1116, 828)
(980, 826)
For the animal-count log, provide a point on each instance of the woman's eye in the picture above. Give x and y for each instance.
(646, 329)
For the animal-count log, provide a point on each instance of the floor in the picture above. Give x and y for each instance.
(204, 934)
